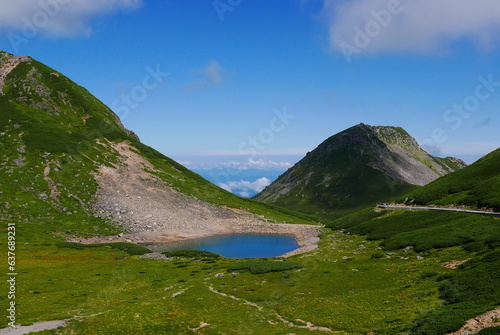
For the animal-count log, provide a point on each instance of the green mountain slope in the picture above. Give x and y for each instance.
(358, 167)
(470, 290)
(63, 152)
(477, 185)
(474, 288)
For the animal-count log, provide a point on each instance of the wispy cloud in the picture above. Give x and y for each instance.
(58, 18)
(267, 164)
(243, 186)
(211, 75)
(422, 26)
(279, 152)
(483, 123)
(259, 164)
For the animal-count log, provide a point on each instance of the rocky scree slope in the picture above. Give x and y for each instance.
(68, 168)
(357, 167)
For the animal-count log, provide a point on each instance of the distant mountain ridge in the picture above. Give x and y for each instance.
(358, 166)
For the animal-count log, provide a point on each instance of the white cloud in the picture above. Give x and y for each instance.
(57, 18)
(417, 26)
(213, 72)
(260, 164)
(244, 186)
(267, 153)
(185, 163)
(204, 162)
(267, 164)
(211, 75)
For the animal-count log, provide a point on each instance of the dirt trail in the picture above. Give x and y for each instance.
(308, 325)
(202, 324)
(36, 327)
(54, 193)
(153, 212)
(474, 325)
(425, 208)
(305, 324)
(246, 302)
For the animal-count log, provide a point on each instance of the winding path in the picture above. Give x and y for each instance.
(307, 325)
(424, 208)
(36, 327)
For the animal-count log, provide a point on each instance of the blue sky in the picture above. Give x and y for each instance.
(257, 84)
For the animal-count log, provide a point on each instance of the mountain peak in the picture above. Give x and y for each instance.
(360, 165)
(35, 93)
(388, 134)
(393, 151)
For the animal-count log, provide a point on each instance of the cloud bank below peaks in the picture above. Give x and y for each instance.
(244, 188)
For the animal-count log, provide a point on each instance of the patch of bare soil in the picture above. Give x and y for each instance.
(152, 212)
(54, 193)
(34, 328)
(474, 325)
(196, 330)
(454, 264)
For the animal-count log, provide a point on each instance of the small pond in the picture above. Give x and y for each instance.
(235, 245)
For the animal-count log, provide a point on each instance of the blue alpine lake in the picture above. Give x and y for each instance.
(235, 245)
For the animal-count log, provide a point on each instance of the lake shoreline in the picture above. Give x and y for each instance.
(235, 246)
(307, 236)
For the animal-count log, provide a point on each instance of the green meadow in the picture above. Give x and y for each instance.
(352, 284)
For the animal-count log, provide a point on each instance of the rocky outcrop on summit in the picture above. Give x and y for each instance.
(392, 151)
(403, 159)
(359, 166)
(8, 63)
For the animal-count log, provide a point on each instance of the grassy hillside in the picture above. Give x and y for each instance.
(55, 135)
(477, 185)
(351, 186)
(470, 291)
